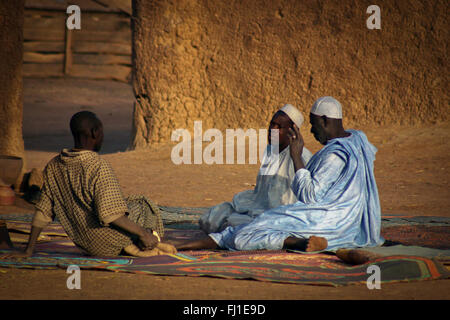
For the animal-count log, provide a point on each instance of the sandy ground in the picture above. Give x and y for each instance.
(412, 172)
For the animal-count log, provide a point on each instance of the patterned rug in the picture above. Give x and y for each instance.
(273, 266)
(54, 250)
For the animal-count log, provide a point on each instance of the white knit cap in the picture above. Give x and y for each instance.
(328, 107)
(293, 113)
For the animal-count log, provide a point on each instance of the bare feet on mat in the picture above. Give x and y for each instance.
(167, 248)
(356, 256)
(160, 249)
(316, 244)
(308, 245)
(205, 243)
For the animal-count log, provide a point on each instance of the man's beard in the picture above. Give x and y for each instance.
(321, 137)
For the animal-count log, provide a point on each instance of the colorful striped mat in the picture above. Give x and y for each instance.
(272, 266)
(55, 250)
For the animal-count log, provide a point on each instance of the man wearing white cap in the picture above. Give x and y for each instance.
(338, 204)
(273, 183)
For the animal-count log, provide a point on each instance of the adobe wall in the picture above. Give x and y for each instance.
(11, 87)
(231, 64)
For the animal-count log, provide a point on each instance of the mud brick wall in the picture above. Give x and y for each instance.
(231, 64)
(11, 85)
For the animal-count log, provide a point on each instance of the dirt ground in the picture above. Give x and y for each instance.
(412, 171)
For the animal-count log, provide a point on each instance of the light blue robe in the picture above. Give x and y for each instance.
(338, 200)
(273, 189)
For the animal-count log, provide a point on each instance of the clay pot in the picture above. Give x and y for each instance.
(7, 196)
(10, 168)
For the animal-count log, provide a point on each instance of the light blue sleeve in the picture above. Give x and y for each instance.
(306, 156)
(310, 187)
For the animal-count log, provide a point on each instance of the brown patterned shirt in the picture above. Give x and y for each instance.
(81, 190)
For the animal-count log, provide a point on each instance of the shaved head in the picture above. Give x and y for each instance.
(83, 122)
(87, 130)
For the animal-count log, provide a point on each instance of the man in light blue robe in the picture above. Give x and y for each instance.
(338, 204)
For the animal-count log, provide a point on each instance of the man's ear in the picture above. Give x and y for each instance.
(325, 122)
(94, 133)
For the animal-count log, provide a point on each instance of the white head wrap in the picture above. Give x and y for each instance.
(328, 107)
(293, 113)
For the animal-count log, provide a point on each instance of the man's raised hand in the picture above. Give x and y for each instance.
(296, 142)
(296, 147)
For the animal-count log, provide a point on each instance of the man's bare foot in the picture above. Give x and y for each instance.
(356, 256)
(308, 245)
(160, 249)
(166, 247)
(205, 243)
(316, 244)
